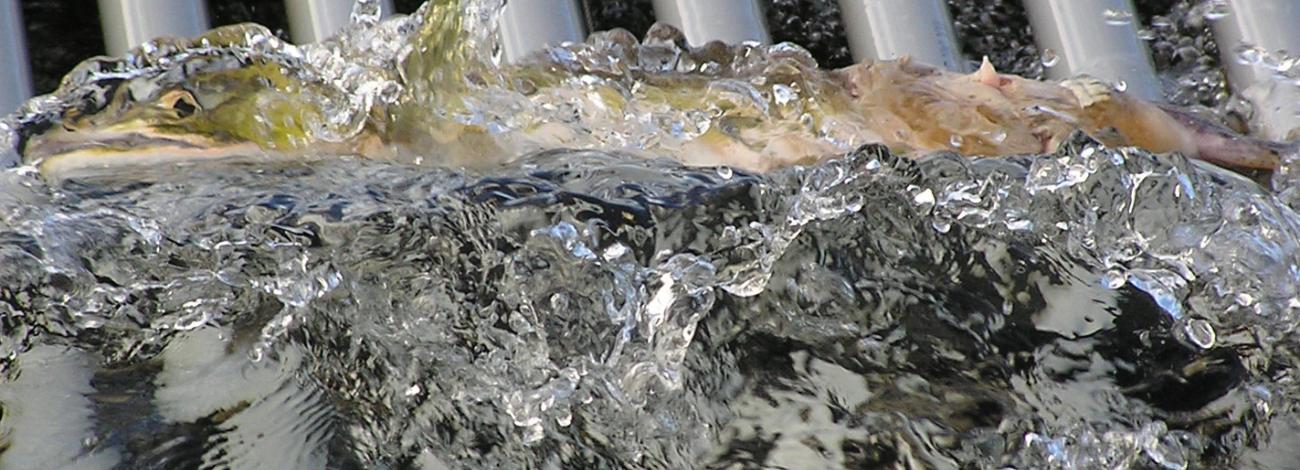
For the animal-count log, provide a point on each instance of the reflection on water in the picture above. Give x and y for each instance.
(584, 309)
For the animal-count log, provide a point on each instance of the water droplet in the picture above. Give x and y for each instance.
(924, 198)
(1114, 279)
(1249, 54)
(1287, 64)
(807, 121)
(1020, 224)
(1200, 333)
(784, 94)
(1117, 17)
(1049, 57)
(1216, 9)
(366, 13)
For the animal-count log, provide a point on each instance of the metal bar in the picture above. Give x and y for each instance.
(729, 21)
(313, 20)
(128, 23)
(529, 25)
(15, 74)
(890, 29)
(1268, 26)
(1094, 37)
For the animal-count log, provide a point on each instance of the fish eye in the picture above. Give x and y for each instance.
(180, 101)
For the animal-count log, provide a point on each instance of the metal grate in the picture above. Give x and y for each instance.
(1096, 37)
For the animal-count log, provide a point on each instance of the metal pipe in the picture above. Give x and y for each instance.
(15, 74)
(128, 23)
(1267, 26)
(729, 21)
(1094, 37)
(529, 25)
(890, 29)
(313, 20)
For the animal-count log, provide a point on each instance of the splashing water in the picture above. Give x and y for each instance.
(1091, 307)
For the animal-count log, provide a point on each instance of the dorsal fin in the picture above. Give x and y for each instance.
(987, 74)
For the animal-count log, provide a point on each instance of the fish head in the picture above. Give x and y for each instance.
(201, 106)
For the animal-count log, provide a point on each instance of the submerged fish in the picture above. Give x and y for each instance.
(198, 107)
(750, 107)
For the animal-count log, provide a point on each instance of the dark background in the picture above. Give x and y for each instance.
(59, 39)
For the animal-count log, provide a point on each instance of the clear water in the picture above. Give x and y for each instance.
(1091, 308)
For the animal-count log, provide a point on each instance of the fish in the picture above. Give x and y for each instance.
(986, 113)
(221, 108)
(754, 114)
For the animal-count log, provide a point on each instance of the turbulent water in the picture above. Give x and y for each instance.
(1091, 308)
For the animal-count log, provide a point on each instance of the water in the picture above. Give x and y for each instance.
(1089, 308)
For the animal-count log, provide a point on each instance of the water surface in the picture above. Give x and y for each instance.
(1088, 308)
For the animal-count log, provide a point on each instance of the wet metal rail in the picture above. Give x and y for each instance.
(890, 29)
(714, 20)
(15, 74)
(1265, 27)
(1094, 37)
(529, 25)
(131, 22)
(314, 20)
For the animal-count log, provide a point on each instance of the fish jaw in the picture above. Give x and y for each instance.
(63, 154)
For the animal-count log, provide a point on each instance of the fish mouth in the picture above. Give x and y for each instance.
(71, 153)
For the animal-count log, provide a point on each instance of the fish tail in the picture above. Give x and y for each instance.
(1243, 152)
(1217, 144)
(1286, 151)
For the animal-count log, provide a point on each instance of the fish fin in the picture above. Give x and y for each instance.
(1088, 90)
(987, 74)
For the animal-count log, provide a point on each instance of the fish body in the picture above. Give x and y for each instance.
(918, 107)
(756, 114)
